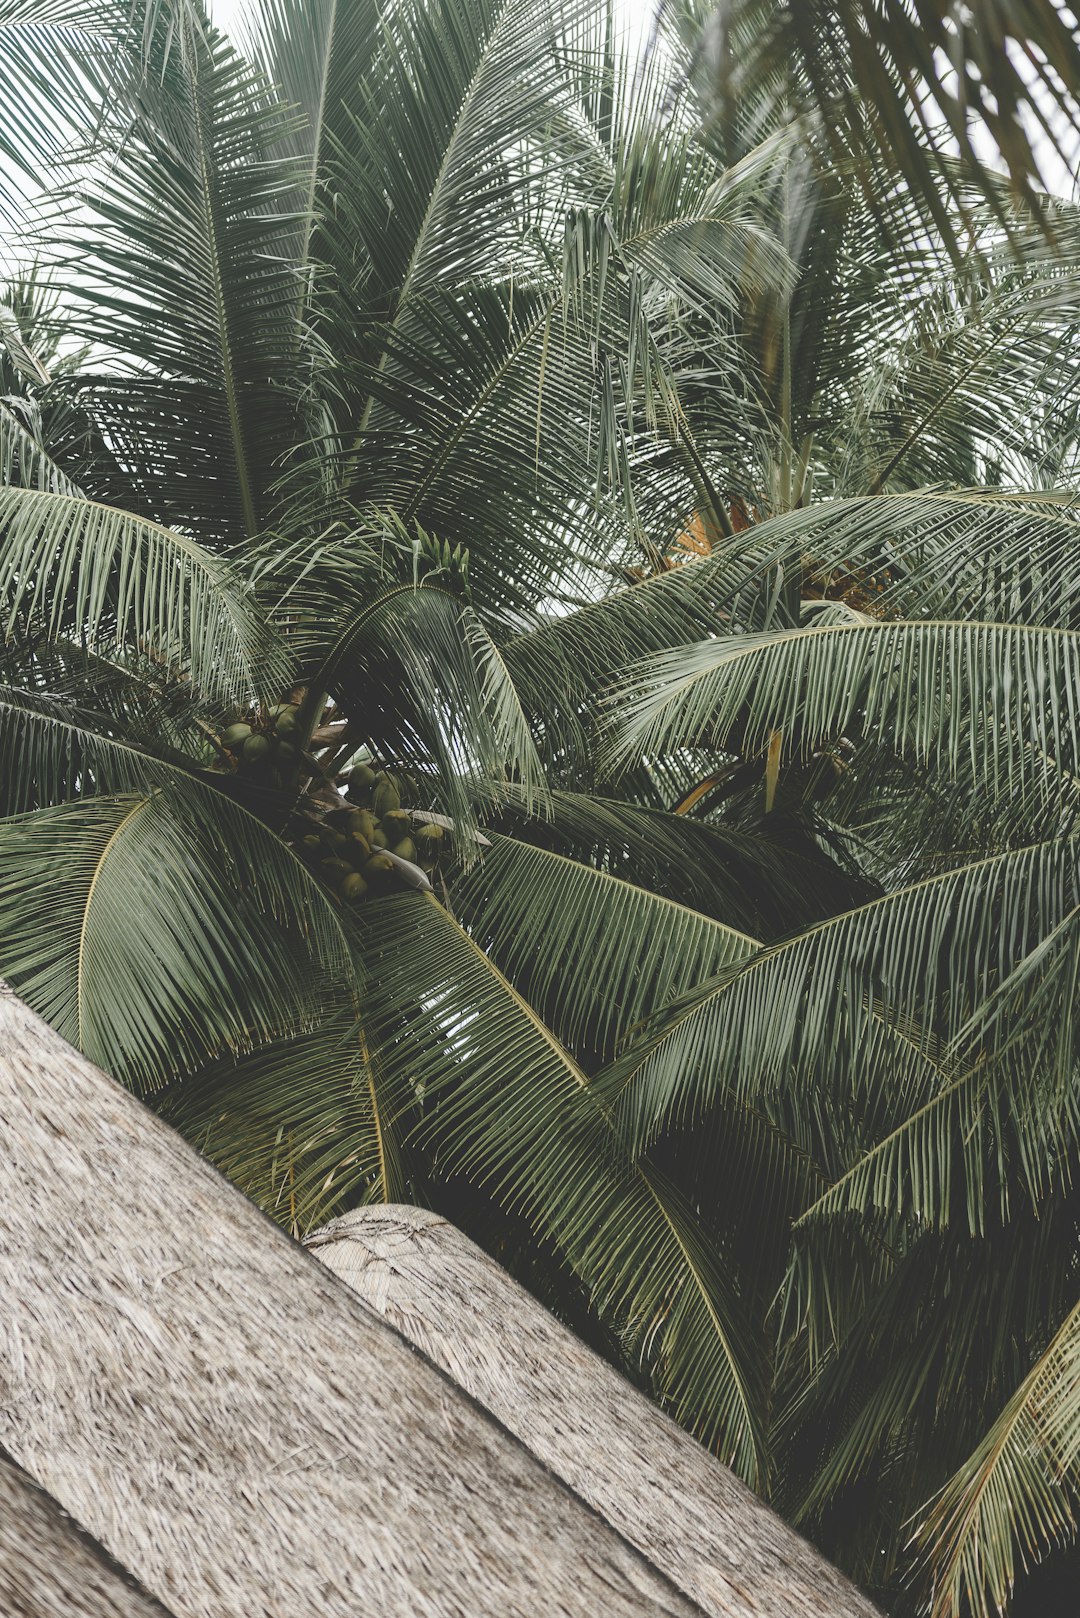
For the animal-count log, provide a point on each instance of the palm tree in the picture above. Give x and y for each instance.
(431, 443)
(334, 404)
(901, 87)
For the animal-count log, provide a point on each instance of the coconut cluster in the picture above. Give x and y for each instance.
(268, 747)
(356, 849)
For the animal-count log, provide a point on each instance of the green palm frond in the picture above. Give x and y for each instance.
(160, 929)
(697, 233)
(932, 408)
(1006, 1116)
(592, 951)
(24, 460)
(316, 55)
(563, 663)
(304, 1126)
(862, 997)
(52, 751)
(484, 390)
(57, 58)
(185, 258)
(509, 1107)
(71, 566)
(443, 125)
(933, 554)
(740, 877)
(1016, 1495)
(881, 82)
(444, 695)
(945, 693)
(986, 554)
(908, 1388)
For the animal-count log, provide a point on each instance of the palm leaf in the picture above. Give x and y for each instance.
(70, 565)
(52, 750)
(303, 1126)
(52, 52)
(715, 867)
(185, 271)
(509, 1108)
(923, 689)
(24, 460)
(595, 952)
(157, 930)
(316, 54)
(881, 84)
(1015, 1496)
(1007, 1112)
(446, 695)
(853, 1002)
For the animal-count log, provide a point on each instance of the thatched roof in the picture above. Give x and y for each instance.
(657, 1488)
(49, 1568)
(235, 1426)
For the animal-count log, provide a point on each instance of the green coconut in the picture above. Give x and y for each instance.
(335, 868)
(378, 870)
(386, 799)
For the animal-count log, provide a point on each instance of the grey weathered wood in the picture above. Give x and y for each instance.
(231, 1422)
(657, 1487)
(50, 1569)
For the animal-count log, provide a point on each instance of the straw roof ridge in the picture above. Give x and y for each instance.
(723, 1547)
(50, 1567)
(232, 1423)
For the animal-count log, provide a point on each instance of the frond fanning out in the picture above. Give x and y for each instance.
(1016, 1496)
(73, 567)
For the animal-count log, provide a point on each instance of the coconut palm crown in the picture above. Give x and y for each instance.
(539, 668)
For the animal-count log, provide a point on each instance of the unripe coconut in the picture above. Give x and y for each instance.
(387, 798)
(286, 721)
(406, 849)
(256, 748)
(335, 868)
(361, 776)
(354, 887)
(236, 735)
(379, 839)
(378, 867)
(430, 833)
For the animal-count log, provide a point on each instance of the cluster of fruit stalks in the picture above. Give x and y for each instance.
(360, 844)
